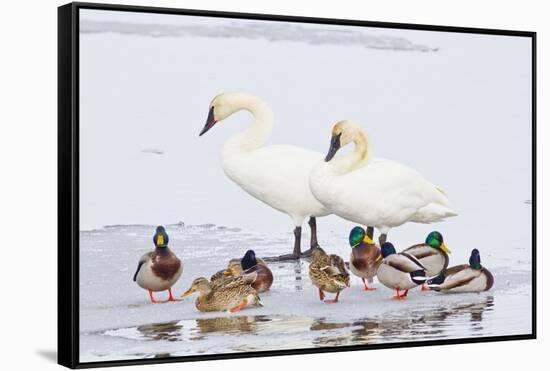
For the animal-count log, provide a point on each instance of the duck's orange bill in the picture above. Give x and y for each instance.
(188, 292)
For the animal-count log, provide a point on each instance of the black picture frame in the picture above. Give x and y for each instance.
(68, 181)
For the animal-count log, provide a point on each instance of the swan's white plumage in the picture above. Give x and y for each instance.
(277, 175)
(380, 193)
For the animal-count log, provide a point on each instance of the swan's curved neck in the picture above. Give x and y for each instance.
(355, 160)
(256, 134)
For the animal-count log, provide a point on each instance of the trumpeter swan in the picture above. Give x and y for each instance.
(277, 175)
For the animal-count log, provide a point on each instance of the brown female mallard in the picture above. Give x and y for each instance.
(231, 294)
(221, 274)
(248, 264)
(160, 269)
(328, 273)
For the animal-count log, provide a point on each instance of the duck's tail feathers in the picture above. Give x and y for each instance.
(436, 281)
(418, 277)
(258, 301)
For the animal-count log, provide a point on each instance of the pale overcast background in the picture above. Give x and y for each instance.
(456, 107)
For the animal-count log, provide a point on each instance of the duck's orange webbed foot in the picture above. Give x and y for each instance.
(333, 301)
(239, 307)
(425, 287)
(171, 297)
(399, 296)
(153, 301)
(367, 288)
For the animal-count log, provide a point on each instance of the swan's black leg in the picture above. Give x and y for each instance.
(297, 242)
(382, 238)
(370, 232)
(313, 226)
(297, 248)
(313, 242)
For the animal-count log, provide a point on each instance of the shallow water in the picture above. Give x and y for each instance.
(118, 322)
(300, 331)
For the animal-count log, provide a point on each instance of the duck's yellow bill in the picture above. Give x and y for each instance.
(227, 273)
(368, 240)
(444, 248)
(379, 258)
(160, 240)
(188, 292)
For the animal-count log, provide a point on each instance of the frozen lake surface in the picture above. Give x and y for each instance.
(118, 322)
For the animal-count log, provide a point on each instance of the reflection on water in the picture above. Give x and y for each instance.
(161, 331)
(298, 275)
(437, 323)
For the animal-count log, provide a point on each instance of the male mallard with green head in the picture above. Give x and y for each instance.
(472, 277)
(400, 271)
(231, 294)
(248, 264)
(328, 273)
(363, 261)
(159, 269)
(433, 254)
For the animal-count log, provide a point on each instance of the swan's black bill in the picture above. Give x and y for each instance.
(334, 147)
(210, 121)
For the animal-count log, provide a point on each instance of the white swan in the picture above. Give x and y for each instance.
(376, 193)
(277, 175)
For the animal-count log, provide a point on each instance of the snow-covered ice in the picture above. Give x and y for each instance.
(118, 322)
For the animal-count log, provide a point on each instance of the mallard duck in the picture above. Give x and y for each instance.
(221, 274)
(328, 273)
(432, 254)
(232, 294)
(159, 269)
(363, 261)
(248, 264)
(472, 277)
(399, 271)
